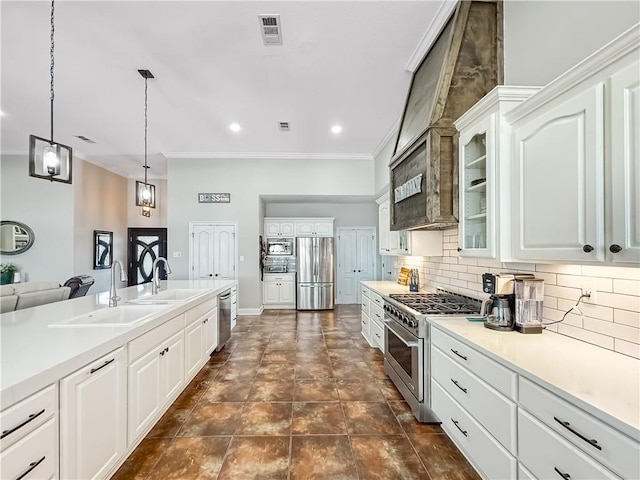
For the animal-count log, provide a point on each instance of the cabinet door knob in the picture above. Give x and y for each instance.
(615, 248)
(587, 249)
(459, 249)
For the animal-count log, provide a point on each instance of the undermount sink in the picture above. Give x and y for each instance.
(169, 296)
(121, 316)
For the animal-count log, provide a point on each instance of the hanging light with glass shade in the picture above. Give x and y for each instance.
(145, 192)
(47, 158)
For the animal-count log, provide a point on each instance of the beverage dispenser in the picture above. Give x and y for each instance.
(529, 293)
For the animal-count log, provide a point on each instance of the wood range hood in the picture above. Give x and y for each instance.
(461, 67)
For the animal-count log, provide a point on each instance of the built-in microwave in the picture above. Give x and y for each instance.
(280, 246)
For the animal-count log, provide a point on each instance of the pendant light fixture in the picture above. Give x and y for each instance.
(145, 192)
(47, 158)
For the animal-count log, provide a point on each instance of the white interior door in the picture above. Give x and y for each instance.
(356, 253)
(224, 252)
(213, 250)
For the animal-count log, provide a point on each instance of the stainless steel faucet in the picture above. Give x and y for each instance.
(155, 283)
(113, 297)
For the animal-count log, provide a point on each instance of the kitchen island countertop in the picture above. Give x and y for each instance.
(34, 354)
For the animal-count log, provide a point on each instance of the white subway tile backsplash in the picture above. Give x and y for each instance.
(626, 287)
(586, 336)
(587, 309)
(563, 292)
(601, 284)
(611, 272)
(627, 317)
(612, 323)
(627, 348)
(611, 329)
(624, 302)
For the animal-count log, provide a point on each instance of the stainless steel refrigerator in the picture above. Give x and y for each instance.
(314, 273)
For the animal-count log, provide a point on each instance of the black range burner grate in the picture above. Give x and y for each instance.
(439, 303)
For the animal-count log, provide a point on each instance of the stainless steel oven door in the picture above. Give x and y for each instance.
(405, 354)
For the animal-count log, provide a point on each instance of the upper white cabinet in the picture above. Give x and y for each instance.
(576, 162)
(484, 165)
(425, 243)
(298, 227)
(314, 227)
(93, 418)
(278, 228)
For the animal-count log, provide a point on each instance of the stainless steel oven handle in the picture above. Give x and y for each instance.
(404, 337)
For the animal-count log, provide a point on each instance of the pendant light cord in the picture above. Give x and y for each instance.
(145, 134)
(53, 29)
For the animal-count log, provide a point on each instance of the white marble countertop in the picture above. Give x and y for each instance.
(34, 355)
(601, 382)
(386, 287)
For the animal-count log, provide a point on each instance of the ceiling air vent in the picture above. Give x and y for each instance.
(270, 28)
(284, 126)
(85, 139)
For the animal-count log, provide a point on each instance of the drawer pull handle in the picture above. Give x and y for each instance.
(378, 315)
(458, 385)
(32, 466)
(94, 370)
(591, 441)
(458, 354)
(563, 475)
(30, 418)
(464, 432)
(378, 335)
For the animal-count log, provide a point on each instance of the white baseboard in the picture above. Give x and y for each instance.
(250, 311)
(279, 306)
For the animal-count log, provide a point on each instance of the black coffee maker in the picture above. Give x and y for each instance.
(500, 313)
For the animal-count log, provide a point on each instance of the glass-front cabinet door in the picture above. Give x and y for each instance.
(475, 192)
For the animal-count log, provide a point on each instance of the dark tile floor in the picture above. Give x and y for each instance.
(294, 395)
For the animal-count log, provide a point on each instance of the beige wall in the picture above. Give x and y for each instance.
(47, 207)
(101, 204)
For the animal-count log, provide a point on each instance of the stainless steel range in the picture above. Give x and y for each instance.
(407, 342)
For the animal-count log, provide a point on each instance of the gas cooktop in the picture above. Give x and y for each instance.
(439, 303)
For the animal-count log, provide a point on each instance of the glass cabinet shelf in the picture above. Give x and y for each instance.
(477, 163)
(474, 183)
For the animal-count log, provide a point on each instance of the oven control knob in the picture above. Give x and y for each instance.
(405, 319)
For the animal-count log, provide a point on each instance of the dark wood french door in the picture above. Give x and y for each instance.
(145, 245)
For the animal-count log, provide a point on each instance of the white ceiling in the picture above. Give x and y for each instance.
(341, 62)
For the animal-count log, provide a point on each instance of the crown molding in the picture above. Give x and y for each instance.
(393, 130)
(446, 10)
(622, 46)
(491, 101)
(269, 156)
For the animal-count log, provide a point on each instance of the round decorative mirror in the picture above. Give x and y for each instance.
(15, 237)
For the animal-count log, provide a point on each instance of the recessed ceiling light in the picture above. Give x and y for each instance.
(235, 127)
(336, 129)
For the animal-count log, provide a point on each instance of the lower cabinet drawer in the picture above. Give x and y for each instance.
(494, 411)
(598, 440)
(365, 305)
(366, 327)
(25, 416)
(34, 456)
(377, 334)
(376, 299)
(376, 313)
(547, 455)
(485, 451)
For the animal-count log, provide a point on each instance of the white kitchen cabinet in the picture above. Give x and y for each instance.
(576, 162)
(427, 243)
(29, 441)
(485, 166)
(279, 228)
(596, 439)
(314, 227)
(201, 339)
(234, 307)
(155, 379)
(278, 290)
(547, 455)
(371, 318)
(93, 418)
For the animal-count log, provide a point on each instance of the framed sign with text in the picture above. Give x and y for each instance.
(214, 198)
